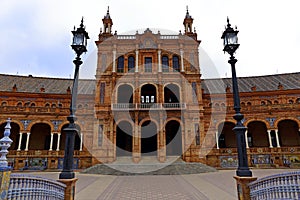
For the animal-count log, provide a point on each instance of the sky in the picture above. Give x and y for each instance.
(35, 35)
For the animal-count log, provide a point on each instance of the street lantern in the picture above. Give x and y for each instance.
(79, 44)
(230, 39)
(230, 46)
(80, 37)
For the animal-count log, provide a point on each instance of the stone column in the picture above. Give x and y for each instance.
(114, 60)
(27, 141)
(58, 141)
(246, 139)
(277, 138)
(136, 60)
(159, 61)
(81, 141)
(51, 142)
(181, 58)
(20, 142)
(270, 139)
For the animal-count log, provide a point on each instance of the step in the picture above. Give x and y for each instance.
(149, 166)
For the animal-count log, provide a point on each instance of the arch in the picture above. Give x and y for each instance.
(298, 100)
(257, 120)
(125, 94)
(40, 122)
(124, 138)
(14, 134)
(148, 93)
(19, 104)
(40, 134)
(257, 134)
(149, 137)
(4, 103)
(286, 118)
(171, 93)
(47, 105)
(227, 138)
(173, 134)
(288, 132)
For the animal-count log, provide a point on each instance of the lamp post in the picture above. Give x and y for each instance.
(230, 46)
(79, 44)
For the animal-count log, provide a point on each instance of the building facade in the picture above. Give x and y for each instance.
(148, 99)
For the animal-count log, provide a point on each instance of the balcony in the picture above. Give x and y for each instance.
(148, 106)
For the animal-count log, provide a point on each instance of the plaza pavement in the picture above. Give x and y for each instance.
(212, 186)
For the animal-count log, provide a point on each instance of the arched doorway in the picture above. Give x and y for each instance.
(14, 134)
(149, 138)
(257, 134)
(125, 94)
(63, 138)
(173, 138)
(40, 135)
(227, 138)
(124, 139)
(148, 94)
(171, 94)
(288, 131)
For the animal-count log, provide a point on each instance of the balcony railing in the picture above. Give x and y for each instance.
(148, 106)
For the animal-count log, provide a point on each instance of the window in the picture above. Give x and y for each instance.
(197, 134)
(192, 63)
(103, 62)
(120, 67)
(165, 63)
(130, 64)
(148, 64)
(175, 64)
(194, 87)
(100, 135)
(102, 92)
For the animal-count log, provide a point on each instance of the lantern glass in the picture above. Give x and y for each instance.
(230, 38)
(78, 39)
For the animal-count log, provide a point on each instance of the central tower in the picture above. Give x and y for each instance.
(148, 95)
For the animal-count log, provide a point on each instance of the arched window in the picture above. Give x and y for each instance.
(3, 103)
(120, 67)
(32, 105)
(19, 104)
(165, 63)
(262, 103)
(130, 64)
(47, 105)
(53, 105)
(175, 64)
(291, 101)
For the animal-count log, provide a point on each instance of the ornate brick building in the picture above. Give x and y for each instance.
(148, 99)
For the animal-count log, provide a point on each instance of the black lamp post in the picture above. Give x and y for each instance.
(230, 46)
(79, 44)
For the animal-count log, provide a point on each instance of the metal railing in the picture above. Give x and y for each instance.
(279, 186)
(147, 106)
(33, 187)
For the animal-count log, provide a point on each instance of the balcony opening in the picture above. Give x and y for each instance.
(259, 134)
(227, 138)
(124, 139)
(149, 138)
(288, 131)
(148, 94)
(125, 94)
(171, 94)
(173, 138)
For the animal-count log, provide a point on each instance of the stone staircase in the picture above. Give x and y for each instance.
(149, 166)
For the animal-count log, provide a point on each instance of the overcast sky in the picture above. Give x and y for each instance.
(35, 35)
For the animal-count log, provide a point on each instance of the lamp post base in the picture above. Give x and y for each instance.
(244, 172)
(243, 190)
(66, 175)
